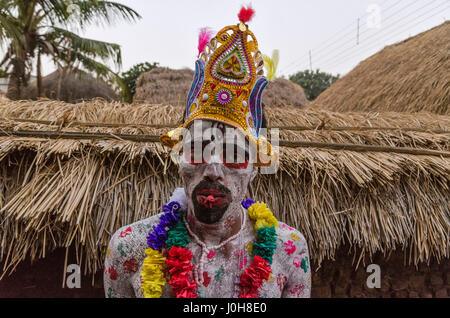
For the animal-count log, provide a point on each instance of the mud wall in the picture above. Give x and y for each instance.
(334, 279)
(340, 279)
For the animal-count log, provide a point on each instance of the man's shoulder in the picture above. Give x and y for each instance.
(138, 227)
(286, 231)
(132, 237)
(292, 249)
(286, 234)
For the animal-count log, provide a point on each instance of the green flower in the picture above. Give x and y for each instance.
(178, 236)
(304, 264)
(219, 274)
(266, 243)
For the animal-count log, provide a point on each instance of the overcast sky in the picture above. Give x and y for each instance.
(168, 30)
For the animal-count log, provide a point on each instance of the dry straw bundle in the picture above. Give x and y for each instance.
(72, 174)
(410, 76)
(73, 87)
(164, 85)
(283, 92)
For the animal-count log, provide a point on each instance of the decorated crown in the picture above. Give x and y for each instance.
(228, 84)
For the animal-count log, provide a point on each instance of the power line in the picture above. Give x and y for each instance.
(394, 35)
(353, 49)
(339, 57)
(320, 57)
(328, 44)
(333, 37)
(352, 32)
(334, 65)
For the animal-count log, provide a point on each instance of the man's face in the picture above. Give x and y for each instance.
(215, 169)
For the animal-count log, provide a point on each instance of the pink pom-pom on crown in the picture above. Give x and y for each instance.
(203, 38)
(246, 14)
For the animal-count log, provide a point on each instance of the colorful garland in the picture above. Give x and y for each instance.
(167, 245)
(263, 249)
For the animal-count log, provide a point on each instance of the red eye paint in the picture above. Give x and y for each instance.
(190, 158)
(243, 165)
(239, 160)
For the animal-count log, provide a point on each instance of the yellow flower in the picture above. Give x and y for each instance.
(108, 251)
(152, 274)
(154, 256)
(295, 237)
(261, 215)
(249, 247)
(270, 278)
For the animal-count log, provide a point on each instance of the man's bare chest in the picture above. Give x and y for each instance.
(221, 272)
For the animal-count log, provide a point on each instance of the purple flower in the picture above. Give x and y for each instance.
(247, 203)
(168, 219)
(173, 206)
(157, 238)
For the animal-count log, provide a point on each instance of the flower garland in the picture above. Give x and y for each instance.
(167, 246)
(263, 249)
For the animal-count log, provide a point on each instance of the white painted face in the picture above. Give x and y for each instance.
(215, 169)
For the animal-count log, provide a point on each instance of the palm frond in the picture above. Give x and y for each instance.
(55, 10)
(104, 12)
(101, 70)
(89, 47)
(9, 26)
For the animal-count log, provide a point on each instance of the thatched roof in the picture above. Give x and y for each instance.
(283, 92)
(164, 85)
(409, 76)
(74, 174)
(75, 87)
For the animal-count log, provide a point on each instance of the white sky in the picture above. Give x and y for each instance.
(168, 30)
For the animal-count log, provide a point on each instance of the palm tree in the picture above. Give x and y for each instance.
(32, 28)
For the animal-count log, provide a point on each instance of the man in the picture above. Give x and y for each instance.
(211, 241)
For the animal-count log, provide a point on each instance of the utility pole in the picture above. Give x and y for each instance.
(357, 33)
(310, 61)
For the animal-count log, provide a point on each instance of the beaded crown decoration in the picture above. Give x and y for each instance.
(228, 85)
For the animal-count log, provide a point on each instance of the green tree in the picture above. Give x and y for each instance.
(313, 83)
(32, 28)
(130, 77)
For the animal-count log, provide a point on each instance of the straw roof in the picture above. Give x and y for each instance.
(72, 174)
(283, 92)
(410, 76)
(164, 85)
(75, 87)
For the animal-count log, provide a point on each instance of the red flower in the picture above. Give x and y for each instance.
(253, 277)
(229, 222)
(130, 266)
(281, 280)
(126, 232)
(179, 265)
(296, 261)
(298, 289)
(179, 260)
(112, 273)
(290, 247)
(206, 279)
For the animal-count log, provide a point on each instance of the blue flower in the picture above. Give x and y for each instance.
(157, 238)
(247, 203)
(168, 219)
(173, 206)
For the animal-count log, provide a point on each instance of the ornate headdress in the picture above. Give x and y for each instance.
(228, 84)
